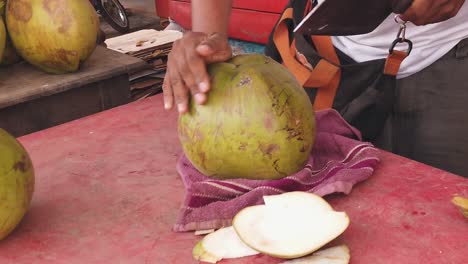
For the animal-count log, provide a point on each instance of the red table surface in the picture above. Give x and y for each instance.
(107, 192)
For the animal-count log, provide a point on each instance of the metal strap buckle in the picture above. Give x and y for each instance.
(401, 35)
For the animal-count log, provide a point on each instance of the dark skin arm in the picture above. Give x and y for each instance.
(206, 43)
(423, 12)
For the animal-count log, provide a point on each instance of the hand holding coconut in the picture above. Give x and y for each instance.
(186, 68)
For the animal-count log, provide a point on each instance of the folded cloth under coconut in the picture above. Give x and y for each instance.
(338, 160)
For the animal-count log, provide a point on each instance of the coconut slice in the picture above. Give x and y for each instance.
(462, 203)
(203, 232)
(290, 225)
(333, 255)
(221, 244)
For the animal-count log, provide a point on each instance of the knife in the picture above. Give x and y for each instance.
(349, 17)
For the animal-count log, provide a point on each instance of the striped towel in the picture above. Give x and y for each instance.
(339, 160)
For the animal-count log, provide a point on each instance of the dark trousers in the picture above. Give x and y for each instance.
(430, 119)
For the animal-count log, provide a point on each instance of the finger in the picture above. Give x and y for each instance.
(418, 12)
(178, 88)
(215, 48)
(198, 70)
(222, 55)
(183, 63)
(410, 15)
(167, 91)
(179, 60)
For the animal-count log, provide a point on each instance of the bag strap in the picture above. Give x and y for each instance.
(323, 74)
(324, 45)
(282, 43)
(393, 62)
(326, 94)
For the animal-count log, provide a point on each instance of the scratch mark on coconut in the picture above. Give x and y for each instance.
(183, 133)
(293, 132)
(268, 121)
(21, 165)
(303, 149)
(59, 12)
(63, 54)
(197, 134)
(202, 157)
(276, 167)
(20, 9)
(285, 105)
(243, 146)
(274, 97)
(244, 81)
(268, 149)
(194, 131)
(217, 132)
(251, 135)
(61, 59)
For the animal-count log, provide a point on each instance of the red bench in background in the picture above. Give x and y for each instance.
(250, 20)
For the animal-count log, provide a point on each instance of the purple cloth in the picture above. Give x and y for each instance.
(339, 159)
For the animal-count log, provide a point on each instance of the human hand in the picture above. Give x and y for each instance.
(422, 12)
(186, 68)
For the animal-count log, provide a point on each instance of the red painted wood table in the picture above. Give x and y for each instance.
(107, 192)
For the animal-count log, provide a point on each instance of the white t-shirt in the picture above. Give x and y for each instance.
(430, 42)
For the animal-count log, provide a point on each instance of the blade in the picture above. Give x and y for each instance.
(349, 17)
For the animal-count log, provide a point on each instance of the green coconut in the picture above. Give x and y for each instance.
(258, 122)
(16, 183)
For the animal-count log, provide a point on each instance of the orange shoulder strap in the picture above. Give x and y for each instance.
(282, 43)
(326, 93)
(323, 73)
(393, 62)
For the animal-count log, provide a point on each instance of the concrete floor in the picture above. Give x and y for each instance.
(146, 6)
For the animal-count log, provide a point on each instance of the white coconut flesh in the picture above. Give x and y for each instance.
(290, 225)
(221, 244)
(333, 255)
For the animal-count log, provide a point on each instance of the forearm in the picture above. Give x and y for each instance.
(210, 16)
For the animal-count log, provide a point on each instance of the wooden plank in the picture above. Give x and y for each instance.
(22, 82)
(48, 111)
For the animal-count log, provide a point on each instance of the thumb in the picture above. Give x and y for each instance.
(215, 48)
(408, 15)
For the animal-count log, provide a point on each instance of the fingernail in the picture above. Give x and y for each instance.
(204, 48)
(199, 98)
(167, 106)
(203, 86)
(181, 108)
